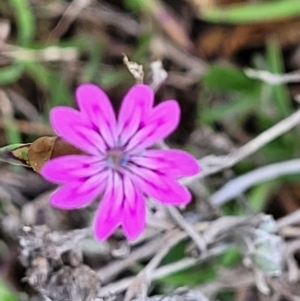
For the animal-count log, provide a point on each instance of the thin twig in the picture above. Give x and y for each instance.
(118, 266)
(69, 16)
(214, 164)
(291, 219)
(292, 265)
(47, 54)
(98, 14)
(188, 228)
(240, 184)
(120, 286)
(184, 59)
(140, 285)
(272, 78)
(211, 231)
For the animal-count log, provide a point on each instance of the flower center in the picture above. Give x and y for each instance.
(116, 158)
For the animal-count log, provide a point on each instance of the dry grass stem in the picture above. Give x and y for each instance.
(214, 164)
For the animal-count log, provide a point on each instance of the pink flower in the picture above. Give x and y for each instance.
(117, 163)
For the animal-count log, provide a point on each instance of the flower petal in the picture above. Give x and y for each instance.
(159, 186)
(110, 212)
(173, 163)
(72, 127)
(134, 210)
(71, 168)
(135, 110)
(78, 194)
(163, 120)
(96, 107)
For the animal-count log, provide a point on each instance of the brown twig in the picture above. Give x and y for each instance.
(27, 127)
(68, 17)
(98, 14)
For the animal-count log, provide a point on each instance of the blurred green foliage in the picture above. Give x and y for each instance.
(6, 294)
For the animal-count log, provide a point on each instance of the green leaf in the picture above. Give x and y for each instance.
(139, 5)
(258, 196)
(192, 276)
(234, 109)
(11, 73)
(278, 149)
(228, 79)
(253, 12)
(231, 257)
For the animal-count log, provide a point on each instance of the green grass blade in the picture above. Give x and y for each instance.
(255, 12)
(12, 133)
(280, 92)
(25, 21)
